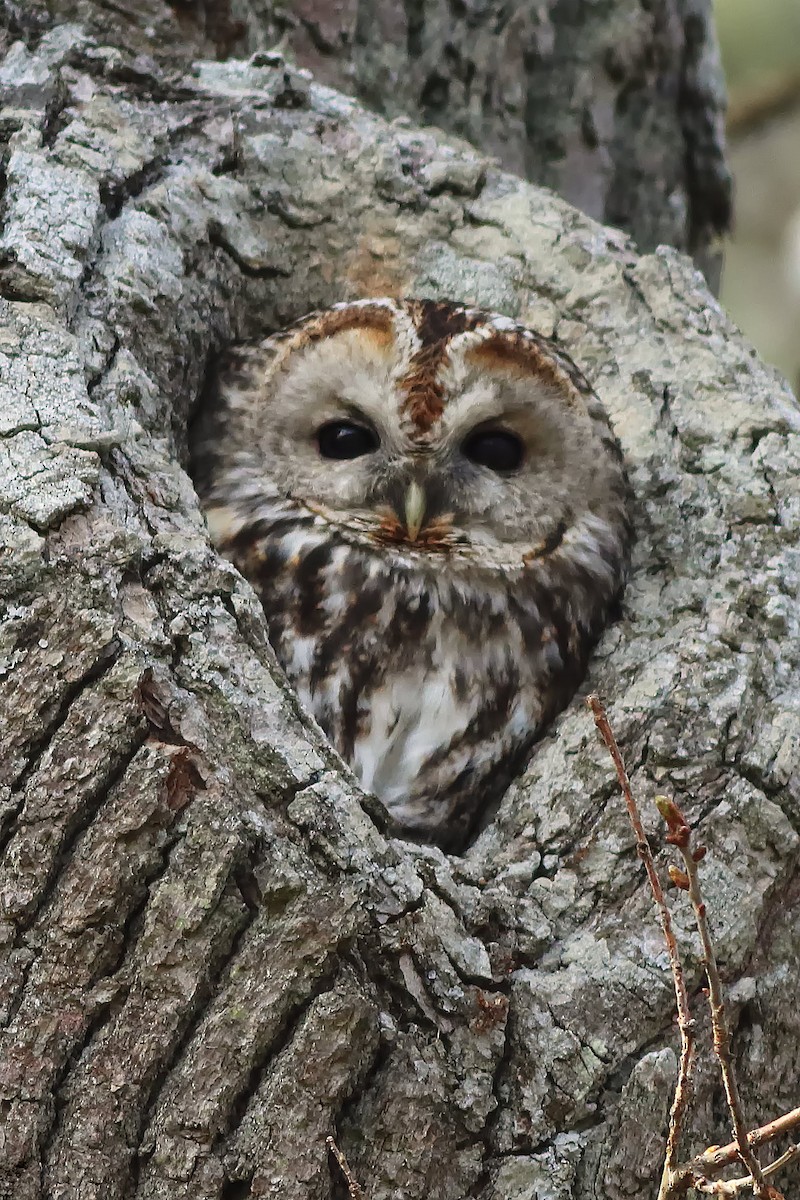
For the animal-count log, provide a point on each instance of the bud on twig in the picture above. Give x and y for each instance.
(678, 877)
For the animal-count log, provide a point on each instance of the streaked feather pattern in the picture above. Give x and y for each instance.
(433, 661)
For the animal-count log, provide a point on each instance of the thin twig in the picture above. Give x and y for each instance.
(723, 1187)
(352, 1184)
(730, 1187)
(719, 1157)
(787, 1157)
(685, 1023)
(675, 1180)
(680, 836)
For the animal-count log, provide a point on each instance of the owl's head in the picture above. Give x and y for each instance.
(421, 426)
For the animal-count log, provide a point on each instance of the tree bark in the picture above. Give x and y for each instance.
(617, 107)
(212, 956)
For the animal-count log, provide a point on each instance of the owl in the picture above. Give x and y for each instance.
(432, 507)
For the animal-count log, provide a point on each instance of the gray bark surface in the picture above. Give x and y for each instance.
(211, 956)
(617, 107)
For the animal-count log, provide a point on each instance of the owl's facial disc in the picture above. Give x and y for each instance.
(410, 502)
(452, 445)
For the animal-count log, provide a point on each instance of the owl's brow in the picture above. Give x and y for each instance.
(527, 354)
(339, 320)
(435, 324)
(424, 402)
(425, 389)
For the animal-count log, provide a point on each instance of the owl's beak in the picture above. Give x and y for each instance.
(414, 510)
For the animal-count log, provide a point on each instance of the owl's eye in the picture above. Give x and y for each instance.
(345, 439)
(496, 449)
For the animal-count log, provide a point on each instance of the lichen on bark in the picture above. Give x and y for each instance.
(617, 107)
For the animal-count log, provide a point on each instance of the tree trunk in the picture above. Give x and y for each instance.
(212, 956)
(617, 107)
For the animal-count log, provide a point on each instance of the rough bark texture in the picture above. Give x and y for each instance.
(211, 955)
(618, 106)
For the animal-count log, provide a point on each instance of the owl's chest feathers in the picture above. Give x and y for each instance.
(428, 685)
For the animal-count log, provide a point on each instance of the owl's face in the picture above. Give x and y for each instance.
(428, 428)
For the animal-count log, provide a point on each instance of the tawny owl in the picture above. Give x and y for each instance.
(433, 509)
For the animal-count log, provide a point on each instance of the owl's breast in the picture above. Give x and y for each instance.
(412, 715)
(429, 688)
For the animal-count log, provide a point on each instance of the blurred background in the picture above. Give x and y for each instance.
(760, 41)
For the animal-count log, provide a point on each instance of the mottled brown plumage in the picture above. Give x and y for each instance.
(433, 509)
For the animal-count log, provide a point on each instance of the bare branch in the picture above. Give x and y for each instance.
(680, 836)
(722, 1156)
(730, 1187)
(685, 1022)
(353, 1186)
